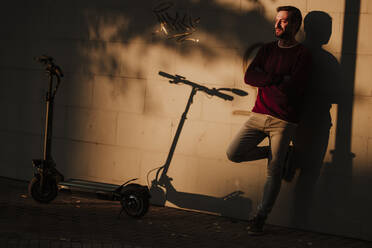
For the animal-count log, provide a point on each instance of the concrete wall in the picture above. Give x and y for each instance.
(115, 117)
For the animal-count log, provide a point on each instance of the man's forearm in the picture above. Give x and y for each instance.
(258, 78)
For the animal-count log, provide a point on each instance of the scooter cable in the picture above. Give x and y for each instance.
(148, 173)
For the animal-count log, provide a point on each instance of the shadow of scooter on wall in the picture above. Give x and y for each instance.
(233, 205)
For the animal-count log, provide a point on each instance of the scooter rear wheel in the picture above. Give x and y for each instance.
(45, 194)
(135, 200)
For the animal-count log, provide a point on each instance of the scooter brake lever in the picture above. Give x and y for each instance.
(180, 77)
(176, 81)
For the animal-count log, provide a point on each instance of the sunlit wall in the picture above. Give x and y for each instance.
(115, 117)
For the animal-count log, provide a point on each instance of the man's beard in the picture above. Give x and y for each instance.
(284, 35)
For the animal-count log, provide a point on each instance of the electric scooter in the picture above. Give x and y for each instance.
(43, 187)
(163, 180)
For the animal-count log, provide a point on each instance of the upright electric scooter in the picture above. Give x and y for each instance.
(43, 187)
(177, 79)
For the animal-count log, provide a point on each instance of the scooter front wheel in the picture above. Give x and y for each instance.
(45, 194)
(135, 200)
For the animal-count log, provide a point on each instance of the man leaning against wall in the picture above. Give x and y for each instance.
(280, 71)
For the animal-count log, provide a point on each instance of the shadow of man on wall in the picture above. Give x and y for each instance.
(312, 137)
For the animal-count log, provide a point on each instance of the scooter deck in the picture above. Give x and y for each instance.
(88, 185)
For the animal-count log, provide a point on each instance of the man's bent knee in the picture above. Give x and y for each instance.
(233, 157)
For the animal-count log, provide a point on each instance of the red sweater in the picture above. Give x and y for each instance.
(281, 75)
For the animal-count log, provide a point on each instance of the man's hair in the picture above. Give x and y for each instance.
(294, 15)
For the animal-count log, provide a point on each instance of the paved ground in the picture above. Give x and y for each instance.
(82, 221)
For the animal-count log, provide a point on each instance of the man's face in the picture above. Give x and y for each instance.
(284, 27)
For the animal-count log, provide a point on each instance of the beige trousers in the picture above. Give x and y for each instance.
(245, 147)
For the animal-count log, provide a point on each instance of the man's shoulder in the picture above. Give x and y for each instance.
(270, 45)
(303, 47)
(304, 50)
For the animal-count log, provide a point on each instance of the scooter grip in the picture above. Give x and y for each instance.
(164, 74)
(222, 95)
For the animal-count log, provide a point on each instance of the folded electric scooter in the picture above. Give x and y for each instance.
(43, 187)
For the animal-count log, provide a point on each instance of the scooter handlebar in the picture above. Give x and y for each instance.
(215, 92)
(50, 66)
(180, 79)
(164, 74)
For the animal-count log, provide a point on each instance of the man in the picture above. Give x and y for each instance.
(279, 71)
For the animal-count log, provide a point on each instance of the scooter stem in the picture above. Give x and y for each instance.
(178, 132)
(48, 121)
